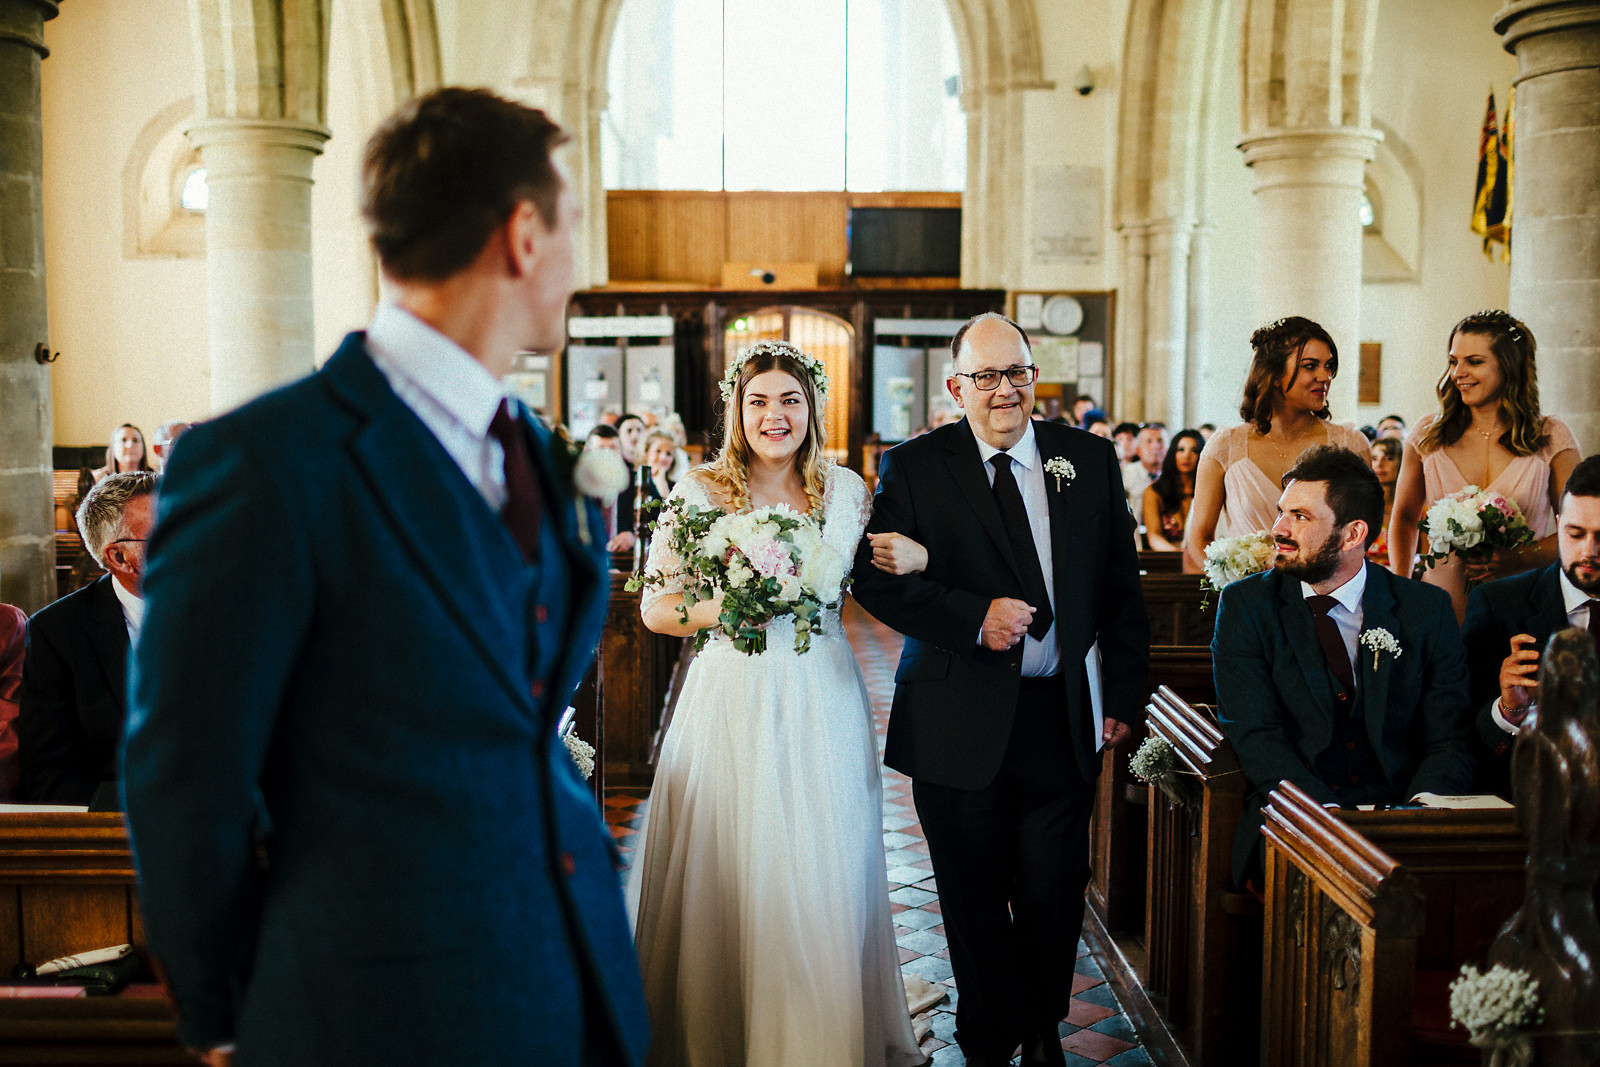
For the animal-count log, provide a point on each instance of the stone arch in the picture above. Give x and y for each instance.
(568, 51)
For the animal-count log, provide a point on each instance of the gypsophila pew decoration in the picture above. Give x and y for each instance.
(1230, 558)
(1473, 524)
(581, 751)
(1380, 640)
(1061, 468)
(1497, 1008)
(813, 366)
(596, 472)
(1156, 763)
(767, 563)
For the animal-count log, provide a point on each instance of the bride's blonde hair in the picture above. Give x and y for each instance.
(730, 471)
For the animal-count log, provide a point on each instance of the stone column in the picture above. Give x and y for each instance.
(1555, 260)
(1197, 392)
(1167, 322)
(1128, 380)
(258, 252)
(27, 520)
(1308, 186)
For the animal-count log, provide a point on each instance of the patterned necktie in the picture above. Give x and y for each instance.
(1020, 534)
(522, 510)
(1333, 649)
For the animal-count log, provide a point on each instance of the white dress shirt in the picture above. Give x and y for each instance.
(452, 393)
(1040, 656)
(1576, 601)
(132, 610)
(1347, 614)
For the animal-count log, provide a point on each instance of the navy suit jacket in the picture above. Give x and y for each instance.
(1275, 694)
(1528, 603)
(73, 700)
(358, 837)
(954, 701)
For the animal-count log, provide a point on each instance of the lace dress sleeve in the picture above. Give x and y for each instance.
(663, 561)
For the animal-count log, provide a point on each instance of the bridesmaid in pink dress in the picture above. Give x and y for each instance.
(1285, 409)
(1488, 433)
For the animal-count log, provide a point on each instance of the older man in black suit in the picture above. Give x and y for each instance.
(1509, 621)
(73, 701)
(1031, 579)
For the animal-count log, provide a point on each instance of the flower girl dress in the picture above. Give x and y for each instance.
(760, 895)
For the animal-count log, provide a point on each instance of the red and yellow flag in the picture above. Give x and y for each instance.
(1491, 205)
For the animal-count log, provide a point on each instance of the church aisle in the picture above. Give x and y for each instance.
(1094, 1032)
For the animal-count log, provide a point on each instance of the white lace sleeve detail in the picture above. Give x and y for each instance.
(662, 559)
(848, 504)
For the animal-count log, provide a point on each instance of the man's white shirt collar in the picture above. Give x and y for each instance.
(1348, 595)
(132, 608)
(436, 365)
(1025, 453)
(1572, 598)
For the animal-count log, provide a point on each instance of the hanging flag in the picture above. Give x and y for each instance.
(1489, 215)
(1506, 154)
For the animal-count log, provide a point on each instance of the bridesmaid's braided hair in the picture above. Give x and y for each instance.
(1514, 349)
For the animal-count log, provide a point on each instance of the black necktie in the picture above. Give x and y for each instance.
(1332, 644)
(1015, 517)
(521, 513)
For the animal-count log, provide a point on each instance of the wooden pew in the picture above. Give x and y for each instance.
(635, 676)
(1173, 601)
(1117, 839)
(67, 885)
(1153, 561)
(1202, 940)
(1358, 934)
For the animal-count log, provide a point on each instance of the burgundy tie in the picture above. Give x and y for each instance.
(521, 513)
(1332, 644)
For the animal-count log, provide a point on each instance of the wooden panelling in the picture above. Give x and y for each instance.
(790, 228)
(66, 919)
(674, 238)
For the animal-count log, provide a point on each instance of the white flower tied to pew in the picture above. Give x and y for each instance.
(581, 751)
(1230, 558)
(1156, 763)
(1380, 640)
(1497, 1007)
(1061, 468)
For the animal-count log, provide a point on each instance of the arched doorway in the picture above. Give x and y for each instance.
(826, 337)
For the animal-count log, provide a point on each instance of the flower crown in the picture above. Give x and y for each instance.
(813, 366)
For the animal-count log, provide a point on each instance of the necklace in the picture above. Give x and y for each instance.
(1292, 452)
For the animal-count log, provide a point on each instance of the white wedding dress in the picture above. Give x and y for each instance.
(759, 896)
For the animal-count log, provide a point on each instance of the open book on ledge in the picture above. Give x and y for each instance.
(1434, 800)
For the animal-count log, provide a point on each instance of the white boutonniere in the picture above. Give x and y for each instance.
(1061, 468)
(1380, 640)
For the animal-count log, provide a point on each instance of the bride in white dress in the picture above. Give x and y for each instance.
(760, 896)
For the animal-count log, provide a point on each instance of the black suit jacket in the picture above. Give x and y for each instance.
(954, 701)
(1529, 603)
(74, 696)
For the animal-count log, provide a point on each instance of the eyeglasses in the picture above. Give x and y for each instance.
(130, 540)
(1020, 377)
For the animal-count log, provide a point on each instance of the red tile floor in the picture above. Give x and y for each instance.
(1095, 1031)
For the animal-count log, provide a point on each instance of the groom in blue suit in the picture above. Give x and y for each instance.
(370, 596)
(1332, 673)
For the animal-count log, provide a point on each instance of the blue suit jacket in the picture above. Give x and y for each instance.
(357, 836)
(1275, 695)
(1529, 603)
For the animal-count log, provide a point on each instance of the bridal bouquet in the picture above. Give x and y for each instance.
(1230, 558)
(766, 563)
(1472, 523)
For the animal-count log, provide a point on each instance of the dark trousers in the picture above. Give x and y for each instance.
(1012, 862)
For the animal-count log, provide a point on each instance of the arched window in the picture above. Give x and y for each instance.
(195, 195)
(746, 94)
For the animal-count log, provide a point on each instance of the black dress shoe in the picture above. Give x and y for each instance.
(1043, 1050)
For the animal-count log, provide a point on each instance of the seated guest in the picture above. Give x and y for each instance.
(1508, 622)
(1126, 436)
(1149, 451)
(73, 699)
(660, 454)
(630, 440)
(1308, 688)
(1385, 457)
(1081, 408)
(13, 632)
(1098, 423)
(1165, 506)
(1391, 426)
(163, 439)
(125, 453)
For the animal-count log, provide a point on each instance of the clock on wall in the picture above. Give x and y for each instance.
(1062, 315)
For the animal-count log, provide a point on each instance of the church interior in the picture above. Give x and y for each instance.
(1140, 183)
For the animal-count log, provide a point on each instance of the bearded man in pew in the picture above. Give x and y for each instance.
(1509, 621)
(1332, 673)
